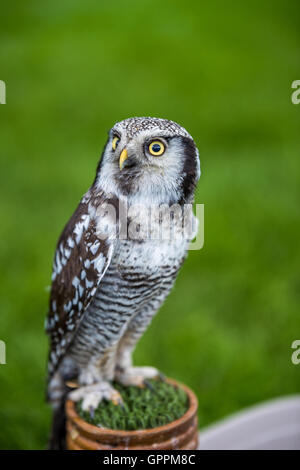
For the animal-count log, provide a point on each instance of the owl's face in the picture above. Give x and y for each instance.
(149, 159)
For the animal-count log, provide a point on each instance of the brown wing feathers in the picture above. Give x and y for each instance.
(80, 261)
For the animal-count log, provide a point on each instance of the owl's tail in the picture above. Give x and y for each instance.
(57, 440)
(57, 395)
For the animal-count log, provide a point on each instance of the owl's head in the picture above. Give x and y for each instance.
(149, 160)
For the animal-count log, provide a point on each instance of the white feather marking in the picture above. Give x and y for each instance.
(58, 263)
(80, 226)
(76, 282)
(88, 284)
(75, 300)
(99, 262)
(94, 247)
(71, 242)
(81, 290)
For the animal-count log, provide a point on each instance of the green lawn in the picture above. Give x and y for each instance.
(224, 71)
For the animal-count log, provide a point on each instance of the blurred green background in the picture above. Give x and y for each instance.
(224, 71)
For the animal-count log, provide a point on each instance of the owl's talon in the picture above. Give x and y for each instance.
(121, 404)
(92, 395)
(136, 376)
(148, 384)
(117, 400)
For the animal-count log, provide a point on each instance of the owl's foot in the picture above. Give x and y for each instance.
(92, 395)
(136, 376)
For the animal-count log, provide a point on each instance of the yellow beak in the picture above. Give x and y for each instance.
(123, 157)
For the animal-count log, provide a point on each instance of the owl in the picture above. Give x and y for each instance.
(113, 268)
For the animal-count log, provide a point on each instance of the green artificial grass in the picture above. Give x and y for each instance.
(143, 408)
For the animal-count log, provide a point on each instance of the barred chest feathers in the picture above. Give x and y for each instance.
(140, 276)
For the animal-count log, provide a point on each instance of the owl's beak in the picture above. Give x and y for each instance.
(123, 157)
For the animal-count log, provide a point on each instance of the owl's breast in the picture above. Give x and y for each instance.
(149, 260)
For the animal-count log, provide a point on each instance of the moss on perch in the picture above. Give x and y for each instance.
(144, 408)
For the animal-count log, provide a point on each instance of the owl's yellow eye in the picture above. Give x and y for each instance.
(156, 148)
(115, 142)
